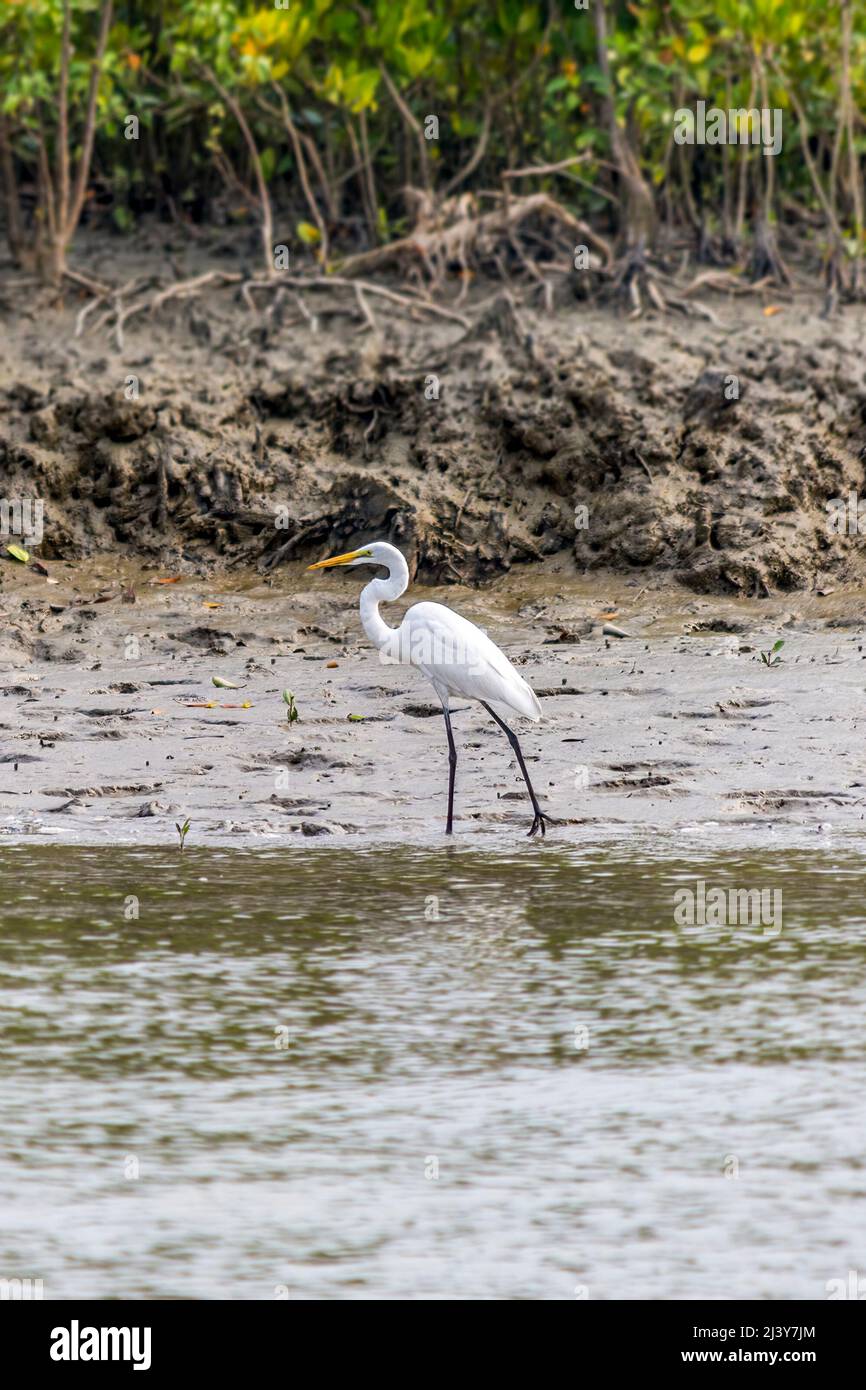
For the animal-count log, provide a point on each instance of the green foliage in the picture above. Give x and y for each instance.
(181, 64)
(771, 658)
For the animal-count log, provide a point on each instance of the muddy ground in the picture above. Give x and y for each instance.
(259, 442)
(256, 437)
(111, 728)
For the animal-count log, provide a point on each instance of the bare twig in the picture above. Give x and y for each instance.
(533, 169)
(326, 282)
(412, 122)
(302, 171)
(84, 313)
(87, 282)
(370, 176)
(478, 153)
(63, 119)
(312, 319)
(361, 166)
(83, 170)
(187, 287)
(364, 307)
(261, 182)
(14, 221)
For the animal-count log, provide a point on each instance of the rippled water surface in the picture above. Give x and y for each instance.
(403, 1073)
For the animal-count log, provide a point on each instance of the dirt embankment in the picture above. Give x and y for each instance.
(707, 451)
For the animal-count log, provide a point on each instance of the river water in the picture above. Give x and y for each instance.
(395, 1072)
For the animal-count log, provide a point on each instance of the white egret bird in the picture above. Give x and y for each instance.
(454, 655)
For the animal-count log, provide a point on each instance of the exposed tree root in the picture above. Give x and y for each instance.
(842, 281)
(413, 304)
(635, 281)
(85, 281)
(117, 313)
(497, 316)
(184, 288)
(725, 282)
(528, 242)
(454, 235)
(766, 259)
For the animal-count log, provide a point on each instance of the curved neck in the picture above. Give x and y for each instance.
(383, 591)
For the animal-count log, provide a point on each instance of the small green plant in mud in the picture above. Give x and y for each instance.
(292, 712)
(183, 831)
(770, 658)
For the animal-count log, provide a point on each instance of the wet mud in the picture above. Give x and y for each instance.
(220, 434)
(545, 474)
(111, 729)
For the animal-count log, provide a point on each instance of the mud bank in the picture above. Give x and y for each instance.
(271, 430)
(111, 729)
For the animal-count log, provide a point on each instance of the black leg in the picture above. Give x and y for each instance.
(540, 817)
(452, 768)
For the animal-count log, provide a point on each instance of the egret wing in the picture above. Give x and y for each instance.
(456, 655)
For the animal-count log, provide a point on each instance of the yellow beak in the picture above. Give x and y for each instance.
(337, 560)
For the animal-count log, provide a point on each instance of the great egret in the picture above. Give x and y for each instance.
(455, 656)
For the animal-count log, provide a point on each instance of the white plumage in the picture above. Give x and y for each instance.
(464, 660)
(455, 656)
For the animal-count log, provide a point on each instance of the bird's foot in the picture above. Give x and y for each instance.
(541, 820)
